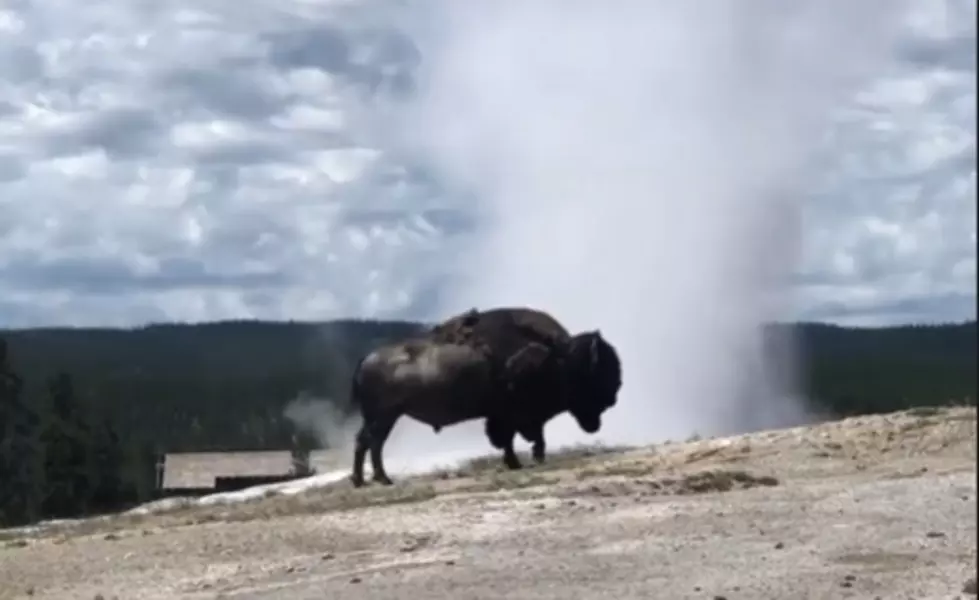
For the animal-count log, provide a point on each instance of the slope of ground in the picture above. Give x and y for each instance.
(880, 506)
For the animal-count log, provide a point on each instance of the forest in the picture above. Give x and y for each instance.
(83, 412)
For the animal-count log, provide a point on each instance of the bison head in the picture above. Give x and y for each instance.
(594, 376)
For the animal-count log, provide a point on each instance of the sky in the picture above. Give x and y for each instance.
(195, 161)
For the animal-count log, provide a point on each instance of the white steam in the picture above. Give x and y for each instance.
(641, 165)
(323, 420)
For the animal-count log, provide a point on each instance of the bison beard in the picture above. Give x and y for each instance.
(516, 367)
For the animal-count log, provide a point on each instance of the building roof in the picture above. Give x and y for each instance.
(198, 469)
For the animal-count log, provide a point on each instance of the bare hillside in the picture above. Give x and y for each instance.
(870, 507)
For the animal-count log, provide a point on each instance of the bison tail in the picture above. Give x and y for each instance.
(356, 387)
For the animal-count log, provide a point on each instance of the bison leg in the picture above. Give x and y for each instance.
(371, 437)
(536, 437)
(378, 435)
(500, 434)
(363, 442)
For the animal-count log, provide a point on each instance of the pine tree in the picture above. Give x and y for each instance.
(67, 452)
(20, 476)
(106, 468)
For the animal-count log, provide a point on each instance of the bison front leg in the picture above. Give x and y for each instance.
(536, 437)
(501, 434)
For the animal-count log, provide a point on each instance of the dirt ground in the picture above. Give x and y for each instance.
(873, 507)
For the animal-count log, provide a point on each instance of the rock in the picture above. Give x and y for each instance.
(935, 534)
(328, 556)
(970, 587)
(779, 546)
(355, 580)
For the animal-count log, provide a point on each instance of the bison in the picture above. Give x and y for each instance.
(517, 368)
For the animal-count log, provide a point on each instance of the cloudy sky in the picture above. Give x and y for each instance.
(177, 160)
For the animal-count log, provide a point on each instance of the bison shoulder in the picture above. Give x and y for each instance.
(528, 359)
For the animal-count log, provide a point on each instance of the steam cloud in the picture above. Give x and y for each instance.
(322, 419)
(641, 166)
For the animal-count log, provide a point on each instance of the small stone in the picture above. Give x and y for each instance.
(970, 587)
(328, 556)
(779, 546)
(355, 580)
(846, 584)
(849, 578)
(450, 563)
(111, 537)
(935, 534)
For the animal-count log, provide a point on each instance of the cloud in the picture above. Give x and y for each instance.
(200, 160)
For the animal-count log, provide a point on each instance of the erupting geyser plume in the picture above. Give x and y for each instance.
(640, 165)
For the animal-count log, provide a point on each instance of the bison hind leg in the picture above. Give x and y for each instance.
(362, 444)
(370, 439)
(379, 432)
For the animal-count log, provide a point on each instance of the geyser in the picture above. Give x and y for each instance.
(640, 167)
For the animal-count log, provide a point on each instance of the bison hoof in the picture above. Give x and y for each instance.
(383, 480)
(357, 481)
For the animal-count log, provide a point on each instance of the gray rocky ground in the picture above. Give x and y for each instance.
(874, 507)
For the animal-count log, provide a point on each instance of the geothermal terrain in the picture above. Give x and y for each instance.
(870, 507)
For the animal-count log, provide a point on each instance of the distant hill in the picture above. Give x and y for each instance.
(224, 385)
